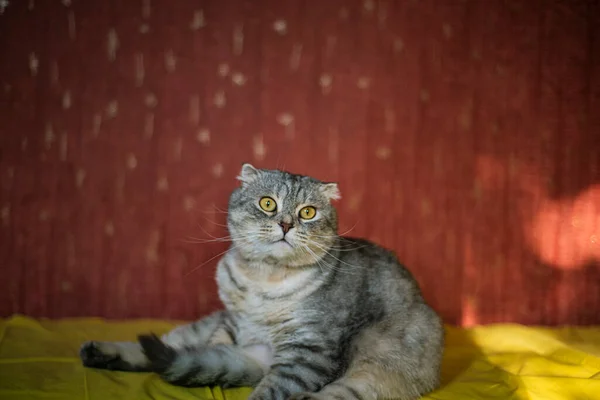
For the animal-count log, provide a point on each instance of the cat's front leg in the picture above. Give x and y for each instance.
(297, 368)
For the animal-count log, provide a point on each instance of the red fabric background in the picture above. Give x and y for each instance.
(465, 135)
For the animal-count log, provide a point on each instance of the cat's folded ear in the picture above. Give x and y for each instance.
(331, 191)
(248, 174)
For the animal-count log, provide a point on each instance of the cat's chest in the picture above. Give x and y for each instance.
(266, 298)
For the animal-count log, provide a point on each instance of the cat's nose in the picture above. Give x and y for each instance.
(285, 227)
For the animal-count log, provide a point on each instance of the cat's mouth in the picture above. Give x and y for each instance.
(283, 242)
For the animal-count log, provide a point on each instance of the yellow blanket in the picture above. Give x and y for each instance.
(38, 360)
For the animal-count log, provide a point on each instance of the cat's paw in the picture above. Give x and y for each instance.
(99, 355)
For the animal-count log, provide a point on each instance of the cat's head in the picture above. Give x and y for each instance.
(282, 218)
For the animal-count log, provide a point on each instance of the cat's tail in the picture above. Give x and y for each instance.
(222, 365)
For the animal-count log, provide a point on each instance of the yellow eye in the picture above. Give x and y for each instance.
(268, 204)
(308, 212)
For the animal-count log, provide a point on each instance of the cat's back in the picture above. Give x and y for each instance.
(380, 267)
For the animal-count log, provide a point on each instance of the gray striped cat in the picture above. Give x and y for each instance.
(308, 314)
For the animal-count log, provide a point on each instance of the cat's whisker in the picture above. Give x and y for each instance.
(209, 260)
(331, 255)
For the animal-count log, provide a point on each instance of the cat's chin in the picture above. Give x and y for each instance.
(281, 249)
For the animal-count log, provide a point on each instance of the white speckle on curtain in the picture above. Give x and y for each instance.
(219, 99)
(398, 45)
(280, 26)
(112, 44)
(296, 56)
(198, 20)
(144, 28)
(49, 136)
(203, 136)
(150, 100)
(325, 82)
(258, 148)
(96, 124)
(34, 64)
(238, 79)
(149, 126)
(66, 100)
(217, 170)
(238, 40)
(131, 161)
(194, 111)
(64, 146)
(140, 72)
(363, 82)
(80, 177)
(287, 120)
(170, 60)
(223, 70)
(146, 9)
(112, 109)
(109, 228)
(162, 184)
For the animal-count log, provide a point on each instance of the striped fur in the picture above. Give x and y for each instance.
(318, 317)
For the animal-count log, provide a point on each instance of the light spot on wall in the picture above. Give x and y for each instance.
(363, 82)
(189, 203)
(198, 20)
(139, 69)
(424, 95)
(194, 111)
(238, 40)
(426, 207)
(259, 150)
(112, 109)
(354, 202)
(66, 100)
(146, 9)
(343, 13)
(162, 185)
(398, 45)
(80, 177)
(203, 136)
(287, 120)
(64, 146)
(217, 170)
(5, 214)
(296, 56)
(447, 28)
(66, 3)
(152, 247)
(44, 215)
(149, 126)
(325, 82)
(219, 100)
(280, 26)
(369, 5)
(390, 120)
(34, 64)
(66, 287)
(238, 79)
(383, 152)
(49, 136)
(24, 144)
(170, 61)
(96, 125)
(31, 5)
(150, 100)
(131, 161)
(112, 44)
(144, 28)
(223, 70)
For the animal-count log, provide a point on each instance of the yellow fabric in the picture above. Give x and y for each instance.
(38, 360)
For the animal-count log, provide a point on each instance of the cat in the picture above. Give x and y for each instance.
(308, 314)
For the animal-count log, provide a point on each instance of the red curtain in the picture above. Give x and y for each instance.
(465, 135)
